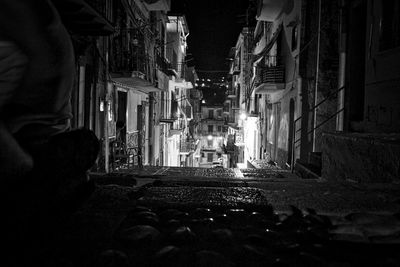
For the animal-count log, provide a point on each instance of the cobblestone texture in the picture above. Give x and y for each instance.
(182, 220)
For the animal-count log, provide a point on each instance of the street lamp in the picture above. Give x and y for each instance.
(243, 116)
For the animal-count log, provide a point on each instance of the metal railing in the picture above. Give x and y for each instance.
(295, 130)
(270, 74)
(187, 146)
(126, 155)
(162, 63)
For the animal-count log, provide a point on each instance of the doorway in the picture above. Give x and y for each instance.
(121, 116)
(290, 133)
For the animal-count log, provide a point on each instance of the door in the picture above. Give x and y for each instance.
(291, 133)
(121, 116)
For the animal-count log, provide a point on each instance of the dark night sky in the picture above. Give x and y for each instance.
(214, 26)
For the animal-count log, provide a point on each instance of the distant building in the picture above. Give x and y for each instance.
(212, 133)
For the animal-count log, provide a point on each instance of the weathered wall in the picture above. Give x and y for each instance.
(382, 84)
(361, 157)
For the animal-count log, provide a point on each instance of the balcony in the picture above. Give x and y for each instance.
(175, 132)
(167, 120)
(231, 93)
(163, 64)
(187, 147)
(128, 62)
(269, 79)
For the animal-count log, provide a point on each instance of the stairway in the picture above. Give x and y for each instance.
(312, 168)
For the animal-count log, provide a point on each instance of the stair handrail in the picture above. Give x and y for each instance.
(294, 140)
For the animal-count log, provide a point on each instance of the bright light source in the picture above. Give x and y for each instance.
(203, 101)
(196, 84)
(209, 137)
(101, 105)
(226, 86)
(208, 80)
(243, 116)
(202, 85)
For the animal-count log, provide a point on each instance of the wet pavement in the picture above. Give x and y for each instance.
(160, 216)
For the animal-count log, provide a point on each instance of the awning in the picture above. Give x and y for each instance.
(135, 83)
(269, 10)
(81, 17)
(269, 88)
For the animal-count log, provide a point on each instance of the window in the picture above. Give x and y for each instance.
(390, 25)
(210, 157)
(209, 143)
(210, 128)
(219, 128)
(219, 112)
(211, 114)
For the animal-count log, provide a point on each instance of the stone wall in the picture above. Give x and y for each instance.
(361, 157)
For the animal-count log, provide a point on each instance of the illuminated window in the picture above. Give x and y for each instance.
(209, 143)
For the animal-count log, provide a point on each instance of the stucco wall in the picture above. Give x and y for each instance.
(361, 157)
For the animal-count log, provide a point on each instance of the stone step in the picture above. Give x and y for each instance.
(307, 170)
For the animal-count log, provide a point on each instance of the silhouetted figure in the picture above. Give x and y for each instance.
(43, 163)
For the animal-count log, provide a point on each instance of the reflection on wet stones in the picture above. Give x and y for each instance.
(139, 235)
(112, 258)
(212, 235)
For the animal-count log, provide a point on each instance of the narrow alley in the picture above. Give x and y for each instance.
(200, 133)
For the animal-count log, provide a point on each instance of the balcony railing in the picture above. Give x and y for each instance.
(163, 64)
(187, 146)
(127, 62)
(271, 71)
(273, 74)
(231, 93)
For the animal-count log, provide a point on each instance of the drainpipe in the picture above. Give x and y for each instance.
(342, 67)
(106, 101)
(316, 76)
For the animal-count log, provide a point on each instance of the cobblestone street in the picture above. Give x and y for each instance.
(225, 217)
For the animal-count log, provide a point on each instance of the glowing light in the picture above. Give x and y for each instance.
(243, 116)
(208, 80)
(203, 101)
(196, 84)
(202, 85)
(209, 137)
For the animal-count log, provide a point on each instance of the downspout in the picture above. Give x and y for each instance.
(106, 110)
(316, 76)
(342, 67)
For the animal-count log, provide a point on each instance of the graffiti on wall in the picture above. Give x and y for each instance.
(383, 115)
